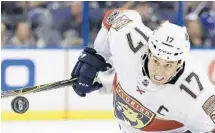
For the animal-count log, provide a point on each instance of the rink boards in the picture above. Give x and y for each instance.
(34, 67)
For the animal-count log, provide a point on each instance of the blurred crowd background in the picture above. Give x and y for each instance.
(59, 24)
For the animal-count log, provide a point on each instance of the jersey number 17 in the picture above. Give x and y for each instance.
(188, 79)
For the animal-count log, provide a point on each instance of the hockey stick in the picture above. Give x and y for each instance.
(39, 88)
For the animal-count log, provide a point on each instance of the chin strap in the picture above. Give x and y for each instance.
(144, 66)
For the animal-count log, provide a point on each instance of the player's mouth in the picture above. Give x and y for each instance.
(158, 78)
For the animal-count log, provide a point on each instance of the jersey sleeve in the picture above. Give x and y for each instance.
(199, 121)
(198, 110)
(101, 43)
(111, 16)
(108, 19)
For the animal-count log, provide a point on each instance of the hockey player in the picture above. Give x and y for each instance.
(155, 90)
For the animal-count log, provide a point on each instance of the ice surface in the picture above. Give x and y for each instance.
(64, 126)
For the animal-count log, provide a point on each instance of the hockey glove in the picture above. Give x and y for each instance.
(86, 70)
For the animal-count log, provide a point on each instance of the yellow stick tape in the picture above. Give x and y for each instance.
(58, 115)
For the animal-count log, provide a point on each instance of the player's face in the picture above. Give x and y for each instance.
(160, 71)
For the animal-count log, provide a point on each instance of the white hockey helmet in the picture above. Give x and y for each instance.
(169, 42)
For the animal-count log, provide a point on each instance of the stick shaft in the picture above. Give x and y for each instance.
(39, 88)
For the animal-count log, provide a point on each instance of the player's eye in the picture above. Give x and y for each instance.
(156, 62)
(168, 65)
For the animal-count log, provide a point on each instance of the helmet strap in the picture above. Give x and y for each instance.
(180, 62)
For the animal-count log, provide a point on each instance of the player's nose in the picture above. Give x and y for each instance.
(158, 70)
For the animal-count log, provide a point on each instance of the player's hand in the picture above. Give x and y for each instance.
(86, 70)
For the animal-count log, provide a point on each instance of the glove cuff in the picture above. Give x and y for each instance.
(90, 57)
